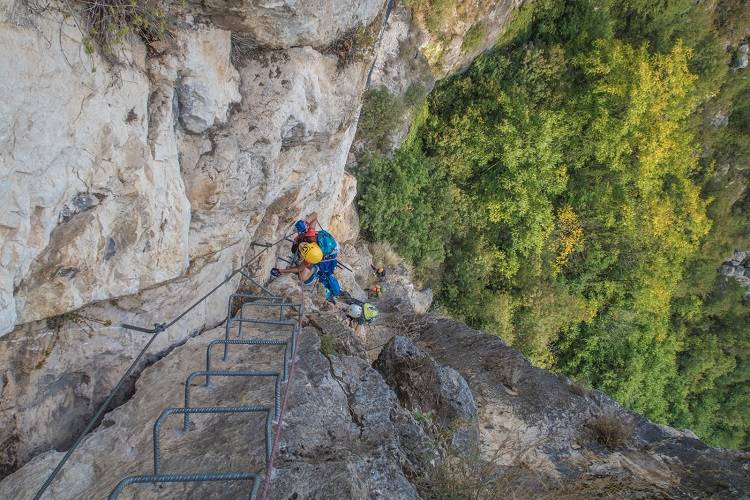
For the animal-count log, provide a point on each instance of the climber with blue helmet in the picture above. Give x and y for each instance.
(314, 253)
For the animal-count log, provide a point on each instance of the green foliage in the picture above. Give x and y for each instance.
(107, 23)
(415, 94)
(381, 114)
(473, 37)
(327, 344)
(433, 12)
(424, 419)
(408, 202)
(569, 193)
(519, 23)
(712, 393)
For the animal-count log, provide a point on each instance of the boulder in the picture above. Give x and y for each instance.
(742, 56)
(399, 283)
(336, 338)
(530, 417)
(424, 386)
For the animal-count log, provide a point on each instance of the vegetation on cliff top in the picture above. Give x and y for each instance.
(570, 193)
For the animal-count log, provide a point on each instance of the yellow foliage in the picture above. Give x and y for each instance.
(570, 237)
(495, 212)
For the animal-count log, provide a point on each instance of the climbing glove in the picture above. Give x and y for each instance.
(275, 272)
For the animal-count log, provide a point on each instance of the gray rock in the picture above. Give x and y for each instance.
(541, 420)
(208, 83)
(344, 434)
(289, 23)
(738, 257)
(438, 391)
(720, 119)
(340, 339)
(741, 58)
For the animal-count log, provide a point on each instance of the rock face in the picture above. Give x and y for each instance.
(738, 268)
(89, 212)
(207, 82)
(289, 23)
(533, 417)
(439, 392)
(129, 191)
(412, 53)
(422, 384)
(345, 436)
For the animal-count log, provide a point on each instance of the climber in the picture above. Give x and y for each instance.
(318, 251)
(307, 269)
(360, 313)
(379, 272)
(375, 291)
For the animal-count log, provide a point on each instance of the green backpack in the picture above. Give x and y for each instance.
(369, 312)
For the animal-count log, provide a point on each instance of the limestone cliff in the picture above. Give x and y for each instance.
(131, 187)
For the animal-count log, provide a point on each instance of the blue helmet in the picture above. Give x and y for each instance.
(300, 226)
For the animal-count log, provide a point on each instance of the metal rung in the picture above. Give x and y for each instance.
(255, 296)
(280, 305)
(189, 478)
(227, 343)
(271, 304)
(229, 373)
(159, 327)
(265, 322)
(208, 410)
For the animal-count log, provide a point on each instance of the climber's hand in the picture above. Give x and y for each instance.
(275, 272)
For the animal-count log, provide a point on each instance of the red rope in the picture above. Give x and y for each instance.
(277, 434)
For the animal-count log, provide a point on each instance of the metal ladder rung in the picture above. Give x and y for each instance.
(254, 296)
(229, 373)
(208, 410)
(189, 478)
(264, 322)
(270, 304)
(262, 342)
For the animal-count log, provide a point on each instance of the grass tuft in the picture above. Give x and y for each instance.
(473, 38)
(106, 24)
(612, 429)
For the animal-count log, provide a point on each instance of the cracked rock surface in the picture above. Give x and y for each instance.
(345, 436)
(533, 417)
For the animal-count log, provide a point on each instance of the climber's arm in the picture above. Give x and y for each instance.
(295, 269)
(311, 219)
